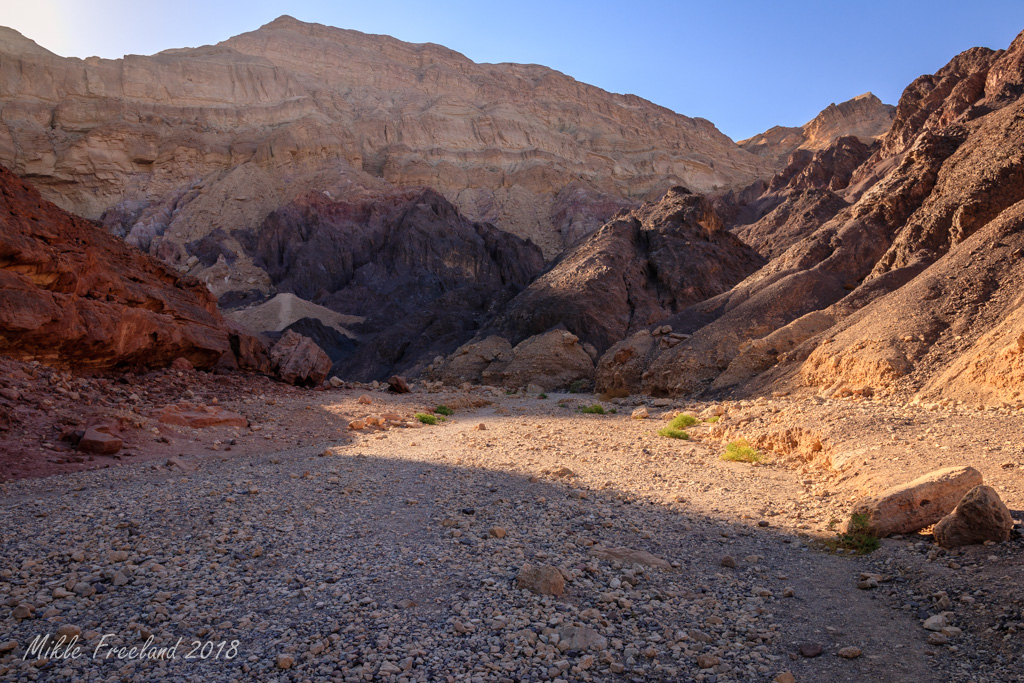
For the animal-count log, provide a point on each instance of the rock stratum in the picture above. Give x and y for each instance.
(171, 146)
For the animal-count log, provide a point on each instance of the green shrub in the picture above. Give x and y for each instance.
(673, 433)
(856, 537)
(444, 410)
(596, 409)
(741, 451)
(682, 421)
(578, 387)
(542, 395)
(714, 419)
(428, 419)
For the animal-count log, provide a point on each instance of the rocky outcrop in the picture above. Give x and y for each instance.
(411, 277)
(864, 117)
(73, 295)
(911, 259)
(636, 270)
(225, 134)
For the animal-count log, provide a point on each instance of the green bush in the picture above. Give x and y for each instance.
(714, 419)
(542, 395)
(856, 537)
(444, 410)
(578, 387)
(741, 451)
(596, 409)
(673, 433)
(682, 421)
(428, 419)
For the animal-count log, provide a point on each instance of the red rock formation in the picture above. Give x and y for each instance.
(73, 295)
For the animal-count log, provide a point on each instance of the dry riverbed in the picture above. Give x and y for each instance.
(312, 552)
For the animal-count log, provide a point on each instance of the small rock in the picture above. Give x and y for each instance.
(398, 384)
(285, 661)
(937, 639)
(935, 623)
(480, 427)
(707, 661)
(629, 556)
(640, 413)
(336, 382)
(582, 638)
(69, 631)
(357, 425)
(543, 580)
(810, 650)
(22, 611)
(9, 646)
(850, 652)
(728, 561)
(788, 592)
(405, 603)
(534, 389)
(99, 441)
(364, 399)
(497, 532)
(784, 677)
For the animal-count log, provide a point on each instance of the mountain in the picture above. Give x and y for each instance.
(865, 117)
(897, 268)
(167, 147)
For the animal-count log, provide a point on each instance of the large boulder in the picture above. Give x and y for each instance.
(553, 360)
(912, 506)
(979, 516)
(298, 360)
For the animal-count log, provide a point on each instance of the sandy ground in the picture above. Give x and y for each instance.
(303, 540)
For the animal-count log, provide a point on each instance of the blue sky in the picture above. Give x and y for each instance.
(744, 65)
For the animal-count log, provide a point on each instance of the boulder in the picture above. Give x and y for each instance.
(199, 417)
(398, 384)
(912, 506)
(543, 580)
(298, 360)
(100, 440)
(552, 360)
(979, 516)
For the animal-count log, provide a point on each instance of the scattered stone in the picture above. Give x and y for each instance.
(480, 427)
(912, 506)
(68, 631)
(582, 638)
(497, 532)
(784, 677)
(365, 400)
(356, 425)
(936, 622)
(850, 652)
(298, 360)
(285, 661)
(405, 603)
(728, 561)
(707, 661)
(200, 417)
(398, 384)
(22, 611)
(100, 440)
(534, 389)
(336, 382)
(788, 592)
(542, 580)
(640, 413)
(980, 516)
(629, 556)
(182, 465)
(810, 650)
(935, 638)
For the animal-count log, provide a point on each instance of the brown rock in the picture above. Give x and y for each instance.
(200, 417)
(182, 364)
(979, 516)
(582, 638)
(542, 580)
(629, 556)
(912, 506)
(707, 661)
(100, 440)
(298, 360)
(398, 384)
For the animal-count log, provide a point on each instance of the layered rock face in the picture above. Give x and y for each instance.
(174, 145)
(865, 117)
(72, 294)
(412, 278)
(904, 278)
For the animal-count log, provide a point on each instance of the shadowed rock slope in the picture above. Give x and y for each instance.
(912, 286)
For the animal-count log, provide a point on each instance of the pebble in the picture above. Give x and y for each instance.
(810, 649)
(850, 652)
(728, 561)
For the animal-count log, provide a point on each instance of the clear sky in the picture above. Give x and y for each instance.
(745, 65)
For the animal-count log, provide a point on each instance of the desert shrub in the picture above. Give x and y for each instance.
(542, 395)
(714, 419)
(578, 387)
(596, 409)
(856, 537)
(682, 421)
(741, 451)
(673, 433)
(444, 410)
(428, 419)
